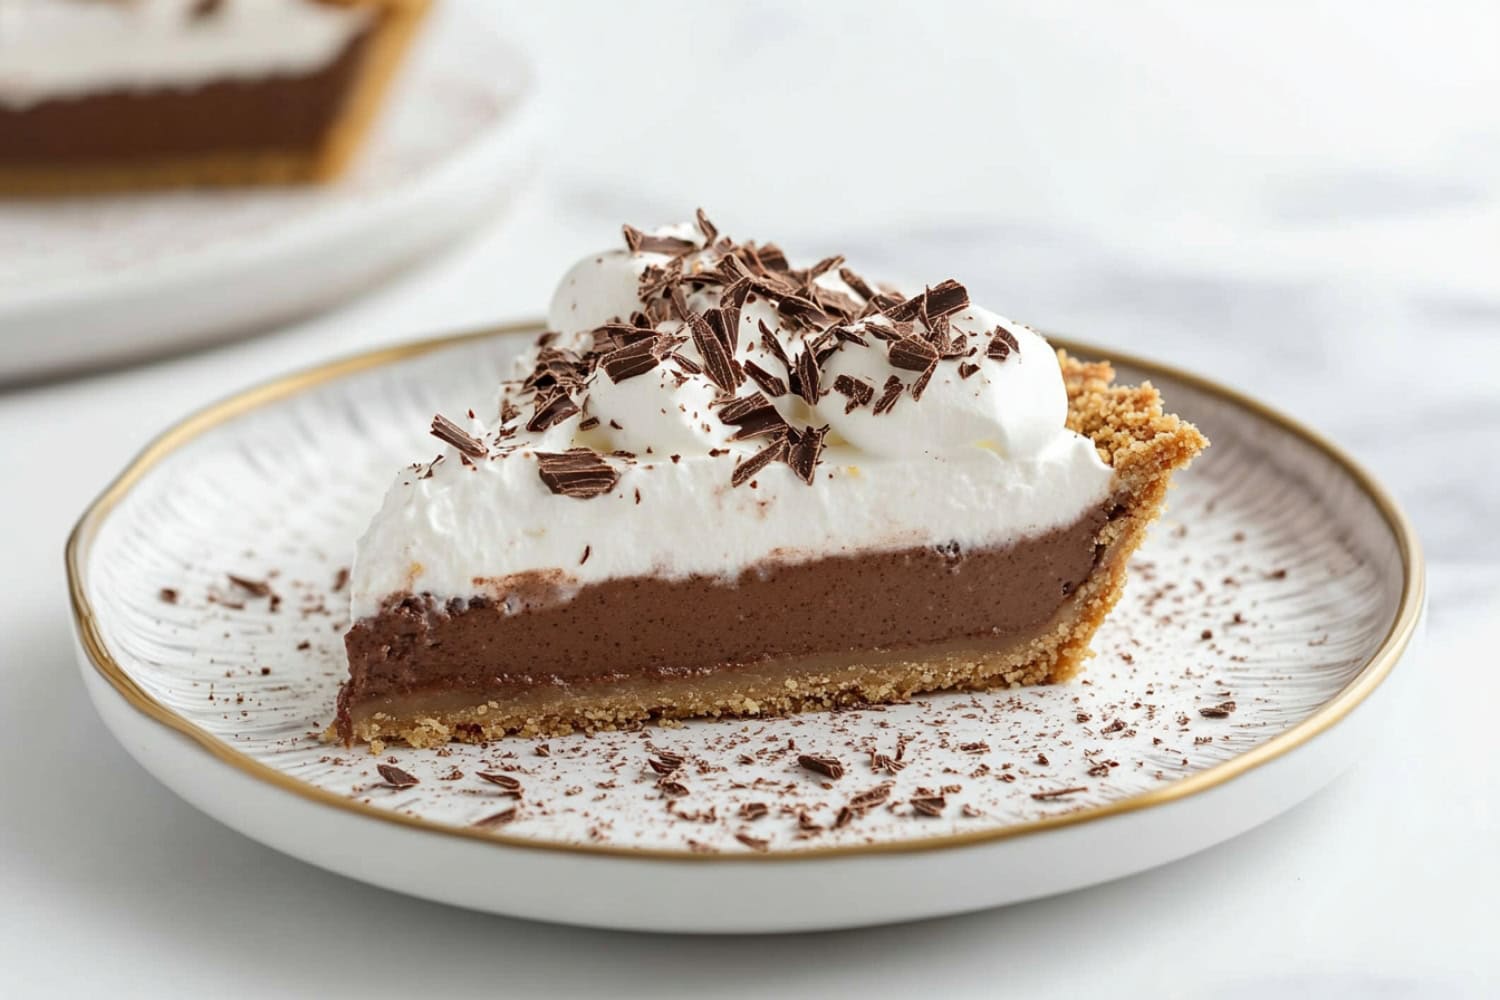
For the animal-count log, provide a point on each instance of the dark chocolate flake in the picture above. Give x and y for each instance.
(708, 229)
(1057, 793)
(769, 384)
(631, 360)
(803, 453)
(718, 363)
(857, 392)
(395, 777)
(889, 395)
(746, 470)
(256, 588)
(945, 298)
(854, 281)
(1220, 711)
(820, 764)
(507, 784)
(753, 415)
(500, 818)
(551, 408)
(449, 432)
(913, 354)
(577, 472)
(929, 805)
(640, 242)
(809, 376)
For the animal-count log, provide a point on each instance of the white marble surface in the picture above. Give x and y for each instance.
(1301, 203)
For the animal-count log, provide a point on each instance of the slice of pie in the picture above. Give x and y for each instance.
(108, 94)
(725, 486)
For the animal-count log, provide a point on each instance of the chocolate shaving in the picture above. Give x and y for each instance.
(808, 376)
(753, 415)
(966, 369)
(828, 766)
(550, 408)
(857, 391)
(255, 588)
(672, 789)
(889, 395)
(920, 385)
(769, 384)
(578, 472)
(731, 301)
(500, 818)
(639, 242)
(1002, 343)
(718, 363)
(929, 805)
(854, 281)
(1220, 711)
(752, 842)
(771, 258)
(803, 454)
(509, 785)
(1058, 793)
(448, 432)
(944, 299)
(395, 777)
(708, 229)
(753, 810)
(870, 798)
(167, 595)
(772, 452)
(913, 354)
(631, 360)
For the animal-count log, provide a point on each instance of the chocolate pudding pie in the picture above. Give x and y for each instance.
(722, 485)
(108, 94)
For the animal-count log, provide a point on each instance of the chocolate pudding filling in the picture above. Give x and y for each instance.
(270, 114)
(820, 612)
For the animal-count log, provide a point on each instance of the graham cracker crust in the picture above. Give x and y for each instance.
(1144, 446)
(381, 55)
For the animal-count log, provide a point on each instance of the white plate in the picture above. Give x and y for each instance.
(1283, 579)
(94, 280)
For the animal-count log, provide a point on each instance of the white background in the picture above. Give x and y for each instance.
(1303, 201)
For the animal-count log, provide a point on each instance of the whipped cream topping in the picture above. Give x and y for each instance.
(700, 407)
(52, 49)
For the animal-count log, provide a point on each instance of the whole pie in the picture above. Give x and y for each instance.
(722, 485)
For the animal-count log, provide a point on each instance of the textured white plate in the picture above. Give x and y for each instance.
(92, 280)
(1282, 580)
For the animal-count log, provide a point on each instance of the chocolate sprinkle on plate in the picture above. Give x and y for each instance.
(395, 777)
(256, 588)
(1220, 711)
(500, 818)
(828, 766)
(507, 783)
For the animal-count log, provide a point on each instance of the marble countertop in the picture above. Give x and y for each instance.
(1240, 230)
